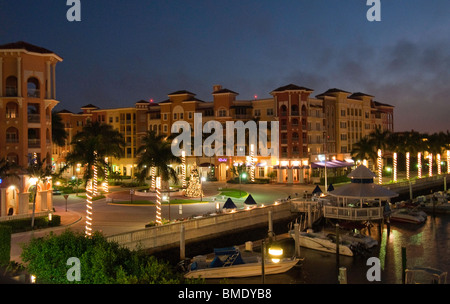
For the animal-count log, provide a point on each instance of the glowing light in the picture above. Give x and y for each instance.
(252, 163)
(106, 182)
(183, 168)
(419, 165)
(33, 180)
(88, 227)
(153, 174)
(448, 161)
(380, 167)
(395, 167)
(94, 185)
(430, 164)
(438, 163)
(275, 253)
(158, 201)
(408, 164)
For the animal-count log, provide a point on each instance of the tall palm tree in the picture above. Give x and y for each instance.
(364, 149)
(379, 138)
(6, 169)
(40, 170)
(155, 151)
(59, 134)
(95, 142)
(90, 148)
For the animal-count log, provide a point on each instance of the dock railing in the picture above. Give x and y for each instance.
(353, 213)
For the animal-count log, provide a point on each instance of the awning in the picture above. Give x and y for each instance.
(250, 200)
(229, 204)
(331, 164)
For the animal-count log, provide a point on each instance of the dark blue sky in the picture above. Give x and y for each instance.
(125, 51)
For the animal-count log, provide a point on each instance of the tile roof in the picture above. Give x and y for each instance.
(292, 87)
(22, 45)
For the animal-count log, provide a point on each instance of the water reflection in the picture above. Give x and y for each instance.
(426, 245)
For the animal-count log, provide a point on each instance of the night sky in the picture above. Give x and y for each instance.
(125, 51)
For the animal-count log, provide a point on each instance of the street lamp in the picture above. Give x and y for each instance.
(242, 175)
(202, 179)
(323, 157)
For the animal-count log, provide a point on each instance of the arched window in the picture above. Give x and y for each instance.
(294, 110)
(33, 87)
(12, 135)
(11, 86)
(283, 110)
(304, 112)
(12, 110)
(295, 137)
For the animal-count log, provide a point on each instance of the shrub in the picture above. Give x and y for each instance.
(101, 262)
(5, 244)
(24, 224)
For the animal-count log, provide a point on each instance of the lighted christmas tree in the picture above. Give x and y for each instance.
(194, 187)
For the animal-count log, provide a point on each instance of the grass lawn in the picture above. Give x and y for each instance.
(236, 193)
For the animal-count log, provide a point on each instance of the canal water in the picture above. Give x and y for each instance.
(427, 245)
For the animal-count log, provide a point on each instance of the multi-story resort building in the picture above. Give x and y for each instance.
(309, 127)
(27, 97)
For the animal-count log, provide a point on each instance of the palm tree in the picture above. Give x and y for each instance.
(90, 147)
(379, 138)
(155, 151)
(59, 134)
(364, 149)
(6, 169)
(40, 171)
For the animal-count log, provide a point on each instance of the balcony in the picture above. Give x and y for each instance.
(34, 93)
(34, 143)
(34, 118)
(11, 92)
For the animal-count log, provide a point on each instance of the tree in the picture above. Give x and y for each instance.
(364, 149)
(90, 147)
(155, 151)
(59, 134)
(101, 262)
(39, 171)
(7, 169)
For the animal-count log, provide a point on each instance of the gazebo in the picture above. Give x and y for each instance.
(361, 199)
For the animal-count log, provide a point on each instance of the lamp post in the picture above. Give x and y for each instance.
(244, 176)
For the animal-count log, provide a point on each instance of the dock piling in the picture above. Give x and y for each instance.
(297, 239)
(182, 243)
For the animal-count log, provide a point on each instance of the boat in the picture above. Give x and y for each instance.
(230, 263)
(322, 242)
(406, 215)
(359, 239)
(425, 275)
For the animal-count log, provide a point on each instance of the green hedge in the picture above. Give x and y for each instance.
(5, 244)
(21, 225)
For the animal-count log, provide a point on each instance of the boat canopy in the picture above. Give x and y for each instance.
(332, 164)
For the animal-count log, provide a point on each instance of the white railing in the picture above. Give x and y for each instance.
(169, 234)
(22, 216)
(353, 213)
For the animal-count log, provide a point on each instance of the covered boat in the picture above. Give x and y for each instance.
(229, 263)
(407, 215)
(322, 242)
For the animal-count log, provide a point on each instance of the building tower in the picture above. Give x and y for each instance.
(27, 97)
